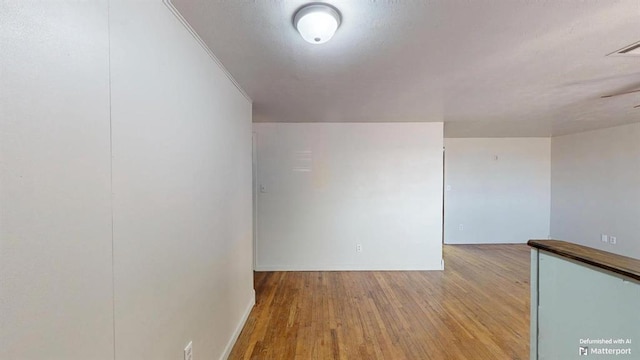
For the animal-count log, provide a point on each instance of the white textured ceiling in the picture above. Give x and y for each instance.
(485, 68)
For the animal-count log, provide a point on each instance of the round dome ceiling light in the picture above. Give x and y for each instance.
(317, 23)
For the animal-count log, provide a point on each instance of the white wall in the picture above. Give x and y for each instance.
(595, 188)
(497, 190)
(182, 190)
(180, 137)
(56, 295)
(329, 187)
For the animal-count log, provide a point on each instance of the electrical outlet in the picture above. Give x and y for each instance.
(613, 240)
(604, 238)
(188, 351)
(461, 227)
(359, 248)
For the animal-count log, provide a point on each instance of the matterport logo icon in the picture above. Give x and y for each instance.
(606, 346)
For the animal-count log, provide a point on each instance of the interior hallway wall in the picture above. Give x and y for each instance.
(328, 187)
(125, 186)
(595, 188)
(497, 190)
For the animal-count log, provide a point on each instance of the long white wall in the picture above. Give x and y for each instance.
(595, 188)
(497, 190)
(325, 188)
(125, 215)
(182, 190)
(56, 293)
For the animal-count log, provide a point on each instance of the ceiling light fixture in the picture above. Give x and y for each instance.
(317, 23)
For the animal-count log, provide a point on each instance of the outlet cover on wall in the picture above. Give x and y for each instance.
(359, 248)
(613, 240)
(604, 238)
(188, 351)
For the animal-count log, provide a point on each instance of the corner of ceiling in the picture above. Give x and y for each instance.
(206, 48)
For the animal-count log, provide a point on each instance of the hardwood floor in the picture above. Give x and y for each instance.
(478, 308)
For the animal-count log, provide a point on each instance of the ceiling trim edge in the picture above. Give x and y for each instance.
(206, 48)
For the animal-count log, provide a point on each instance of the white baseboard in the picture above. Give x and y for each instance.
(374, 267)
(236, 333)
(508, 242)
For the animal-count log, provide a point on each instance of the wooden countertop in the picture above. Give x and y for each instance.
(619, 264)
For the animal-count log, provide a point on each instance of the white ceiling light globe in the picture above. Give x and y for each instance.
(317, 23)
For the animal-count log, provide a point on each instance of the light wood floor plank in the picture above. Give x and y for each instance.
(478, 308)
